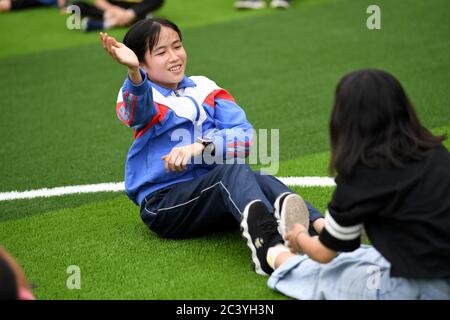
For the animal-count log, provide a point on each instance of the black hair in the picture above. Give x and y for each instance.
(144, 35)
(373, 123)
(8, 281)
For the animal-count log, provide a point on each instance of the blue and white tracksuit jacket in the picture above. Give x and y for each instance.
(164, 118)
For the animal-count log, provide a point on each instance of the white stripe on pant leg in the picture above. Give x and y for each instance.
(181, 204)
(196, 198)
(229, 196)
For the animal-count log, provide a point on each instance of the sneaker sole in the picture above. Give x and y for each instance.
(246, 236)
(299, 213)
(277, 205)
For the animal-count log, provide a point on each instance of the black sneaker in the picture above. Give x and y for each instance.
(259, 228)
(289, 210)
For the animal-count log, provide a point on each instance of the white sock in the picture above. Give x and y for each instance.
(273, 253)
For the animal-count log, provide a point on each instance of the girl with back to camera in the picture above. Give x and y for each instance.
(393, 179)
(177, 119)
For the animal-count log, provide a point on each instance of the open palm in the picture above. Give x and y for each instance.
(119, 52)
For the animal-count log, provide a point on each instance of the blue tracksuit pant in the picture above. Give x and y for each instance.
(212, 202)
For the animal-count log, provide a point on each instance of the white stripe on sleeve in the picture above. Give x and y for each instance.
(340, 232)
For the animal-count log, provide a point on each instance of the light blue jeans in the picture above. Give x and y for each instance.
(361, 274)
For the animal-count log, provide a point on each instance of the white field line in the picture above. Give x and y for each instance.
(61, 191)
(120, 186)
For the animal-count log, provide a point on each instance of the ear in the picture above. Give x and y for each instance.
(144, 66)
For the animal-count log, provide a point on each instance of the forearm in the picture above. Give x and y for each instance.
(314, 248)
(319, 224)
(135, 75)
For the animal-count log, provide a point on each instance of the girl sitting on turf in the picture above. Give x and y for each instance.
(177, 119)
(393, 178)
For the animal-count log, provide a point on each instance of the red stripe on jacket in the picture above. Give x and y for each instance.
(219, 94)
(161, 111)
(240, 144)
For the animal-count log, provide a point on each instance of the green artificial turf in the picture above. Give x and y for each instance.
(58, 127)
(120, 259)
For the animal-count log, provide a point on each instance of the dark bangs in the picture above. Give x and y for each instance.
(144, 35)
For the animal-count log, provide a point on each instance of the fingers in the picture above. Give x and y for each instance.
(115, 43)
(176, 160)
(291, 241)
(177, 164)
(292, 237)
(169, 164)
(109, 44)
(111, 48)
(184, 163)
(166, 162)
(102, 38)
(292, 245)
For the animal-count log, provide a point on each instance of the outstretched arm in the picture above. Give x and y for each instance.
(135, 105)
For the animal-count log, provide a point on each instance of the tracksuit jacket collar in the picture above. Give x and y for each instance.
(186, 82)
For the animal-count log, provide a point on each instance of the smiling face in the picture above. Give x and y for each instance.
(166, 63)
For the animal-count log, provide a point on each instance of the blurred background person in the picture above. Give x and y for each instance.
(10, 5)
(107, 14)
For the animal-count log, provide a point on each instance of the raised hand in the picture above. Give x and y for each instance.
(119, 52)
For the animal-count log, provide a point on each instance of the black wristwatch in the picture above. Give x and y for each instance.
(206, 142)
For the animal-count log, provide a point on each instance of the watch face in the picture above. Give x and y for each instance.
(209, 148)
(204, 141)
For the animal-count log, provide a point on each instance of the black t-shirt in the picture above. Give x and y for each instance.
(405, 212)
